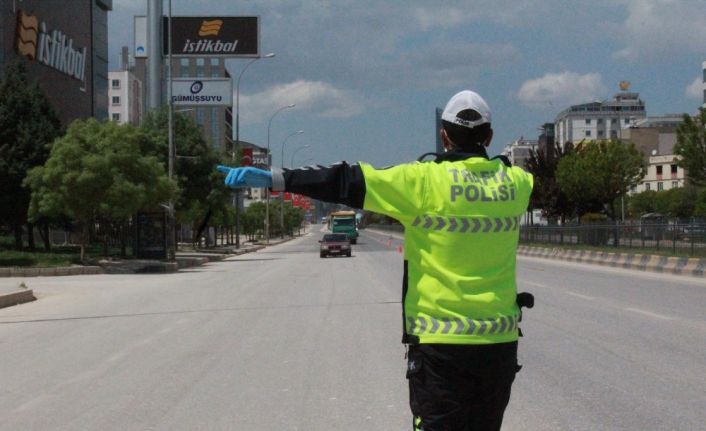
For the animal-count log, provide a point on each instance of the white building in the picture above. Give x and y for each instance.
(519, 151)
(124, 98)
(598, 120)
(656, 138)
(662, 174)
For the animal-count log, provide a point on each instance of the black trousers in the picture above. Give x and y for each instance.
(460, 387)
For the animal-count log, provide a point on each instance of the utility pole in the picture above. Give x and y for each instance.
(154, 54)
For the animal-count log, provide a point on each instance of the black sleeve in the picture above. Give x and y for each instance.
(340, 183)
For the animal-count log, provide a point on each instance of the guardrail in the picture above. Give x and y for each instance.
(673, 238)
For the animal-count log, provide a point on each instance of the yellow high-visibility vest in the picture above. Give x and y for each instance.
(461, 221)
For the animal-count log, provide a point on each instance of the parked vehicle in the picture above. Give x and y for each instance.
(335, 244)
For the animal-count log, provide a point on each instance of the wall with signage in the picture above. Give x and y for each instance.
(57, 40)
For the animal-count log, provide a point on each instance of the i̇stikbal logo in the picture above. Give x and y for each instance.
(53, 49)
(209, 28)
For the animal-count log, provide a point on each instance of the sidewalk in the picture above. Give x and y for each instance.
(13, 295)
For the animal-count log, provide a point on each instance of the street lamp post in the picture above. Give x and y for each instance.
(171, 253)
(267, 191)
(291, 162)
(236, 146)
(281, 195)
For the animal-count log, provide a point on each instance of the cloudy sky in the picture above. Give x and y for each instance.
(366, 75)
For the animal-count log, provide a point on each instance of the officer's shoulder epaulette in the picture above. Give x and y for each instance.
(424, 156)
(503, 159)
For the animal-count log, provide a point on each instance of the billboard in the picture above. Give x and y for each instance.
(202, 91)
(246, 157)
(227, 36)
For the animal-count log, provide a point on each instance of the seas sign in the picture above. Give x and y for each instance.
(227, 36)
(202, 92)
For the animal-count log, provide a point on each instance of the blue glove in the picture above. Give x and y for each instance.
(246, 177)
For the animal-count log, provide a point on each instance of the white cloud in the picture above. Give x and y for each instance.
(695, 89)
(557, 90)
(659, 28)
(316, 97)
(451, 63)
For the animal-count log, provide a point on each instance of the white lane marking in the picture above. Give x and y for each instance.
(578, 295)
(532, 283)
(648, 313)
(568, 292)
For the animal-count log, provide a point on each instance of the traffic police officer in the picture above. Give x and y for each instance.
(461, 214)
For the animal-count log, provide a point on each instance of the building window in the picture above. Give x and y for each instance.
(184, 67)
(215, 128)
(588, 121)
(116, 100)
(115, 117)
(599, 121)
(600, 133)
(660, 186)
(200, 67)
(588, 133)
(647, 186)
(626, 121)
(675, 184)
(659, 169)
(115, 84)
(200, 116)
(673, 169)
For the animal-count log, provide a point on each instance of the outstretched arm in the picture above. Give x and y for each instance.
(339, 183)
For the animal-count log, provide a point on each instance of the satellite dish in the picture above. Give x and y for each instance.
(624, 85)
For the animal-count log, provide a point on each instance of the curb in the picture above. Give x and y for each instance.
(187, 260)
(18, 297)
(642, 262)
(54, 271)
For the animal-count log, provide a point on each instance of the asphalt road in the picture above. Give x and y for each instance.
(283, 340)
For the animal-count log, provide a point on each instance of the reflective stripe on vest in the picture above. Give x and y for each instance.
(432, 326)
(467, 224)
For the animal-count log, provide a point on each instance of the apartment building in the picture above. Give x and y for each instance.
(599, 120)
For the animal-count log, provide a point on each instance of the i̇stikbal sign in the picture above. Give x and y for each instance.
(228, 36)
(49, 47)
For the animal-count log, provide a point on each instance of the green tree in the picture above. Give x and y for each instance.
(597, 174)
(253, 219)
(28, 125)
(681, 202)
(202, 191)
(546, 194)
(293, 218)
(700, 203)
(642, 203)
(97, 171)
(691, 147)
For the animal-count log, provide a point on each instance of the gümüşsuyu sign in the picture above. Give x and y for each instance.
(213, 36)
